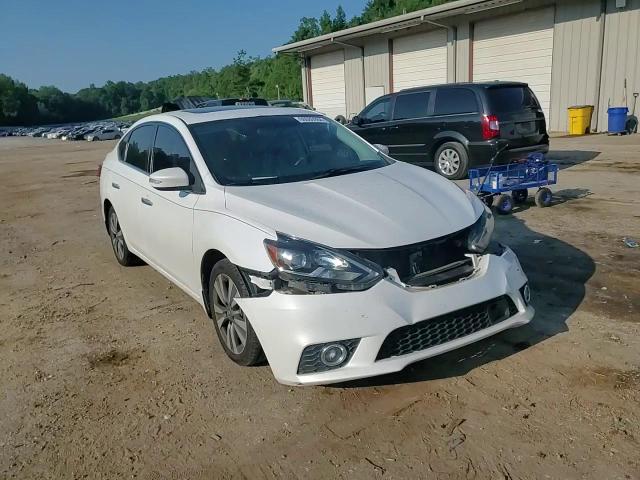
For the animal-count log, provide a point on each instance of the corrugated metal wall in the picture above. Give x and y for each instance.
(582, 39)
(376, 63)
(576, 58)
(353, 70)
(463, 52)
(305, 90)
(621, 57)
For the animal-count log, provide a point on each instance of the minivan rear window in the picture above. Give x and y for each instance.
(511, 99)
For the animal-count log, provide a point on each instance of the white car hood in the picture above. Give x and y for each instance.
(391, 206)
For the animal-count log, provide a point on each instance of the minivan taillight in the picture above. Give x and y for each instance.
(490, 127)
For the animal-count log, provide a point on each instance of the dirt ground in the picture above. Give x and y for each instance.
(110, 372)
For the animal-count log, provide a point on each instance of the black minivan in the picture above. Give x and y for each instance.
(452, 127)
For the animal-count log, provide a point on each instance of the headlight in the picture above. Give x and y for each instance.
(306, 267)
(480, 232)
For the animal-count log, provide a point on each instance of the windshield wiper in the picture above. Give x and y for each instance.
(254, 181)
(333, 172)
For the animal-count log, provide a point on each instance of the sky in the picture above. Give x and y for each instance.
(73, 43)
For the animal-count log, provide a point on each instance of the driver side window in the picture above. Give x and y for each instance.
(378, 111)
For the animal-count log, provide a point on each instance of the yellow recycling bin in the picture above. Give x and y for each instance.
(580, 119)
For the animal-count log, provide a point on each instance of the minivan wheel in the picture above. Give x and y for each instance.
(451, 161)
(234, 330)
(120, 249)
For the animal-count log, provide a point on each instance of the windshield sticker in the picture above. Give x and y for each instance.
(311, 119)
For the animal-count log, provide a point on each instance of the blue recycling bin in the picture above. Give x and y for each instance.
(617, 119)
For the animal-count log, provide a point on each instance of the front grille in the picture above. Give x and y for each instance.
(447, 327)
(409, 261)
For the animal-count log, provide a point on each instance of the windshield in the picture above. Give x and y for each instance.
(511, 99)
(281, 149)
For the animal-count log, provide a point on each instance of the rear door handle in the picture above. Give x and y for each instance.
(115, 185)
(146, 201)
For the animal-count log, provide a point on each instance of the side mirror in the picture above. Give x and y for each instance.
(383, 148)
(173, 178)
(356, 120)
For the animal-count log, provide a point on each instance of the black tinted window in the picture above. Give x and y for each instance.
(450, 101)
(122, 148)
(511, 99)
(139, 146)
(170, 151)
(379, 111)
(411, 105)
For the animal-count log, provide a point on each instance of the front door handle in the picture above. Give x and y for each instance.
(115, 185)
(146, 201)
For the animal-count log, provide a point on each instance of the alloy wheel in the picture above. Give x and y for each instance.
(230, 318)
(117, 237)
(449, 161)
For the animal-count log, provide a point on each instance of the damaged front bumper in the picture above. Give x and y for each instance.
(297, 330)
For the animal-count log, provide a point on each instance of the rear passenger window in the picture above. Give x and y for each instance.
(140, 144)
(122, 148)
(411, 105)
(170, 151)
(450, 101)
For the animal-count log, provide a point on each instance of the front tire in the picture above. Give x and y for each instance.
(504, 204)
(120, 248)
(452, 161)
(234, 330)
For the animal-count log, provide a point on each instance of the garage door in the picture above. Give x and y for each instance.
(516, 47)
(420, 60)
(327, 83)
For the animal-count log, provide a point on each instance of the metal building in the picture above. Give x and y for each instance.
(571, 52)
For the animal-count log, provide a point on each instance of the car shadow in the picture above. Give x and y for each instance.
(557, 273)
(559, 197)
(569, 158)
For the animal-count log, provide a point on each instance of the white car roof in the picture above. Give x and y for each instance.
(209, 114)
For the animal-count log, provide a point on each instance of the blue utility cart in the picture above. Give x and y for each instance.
(497, 180)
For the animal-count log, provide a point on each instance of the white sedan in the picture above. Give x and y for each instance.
(306, 244)
(109, 133)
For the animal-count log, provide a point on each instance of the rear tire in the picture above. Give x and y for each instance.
(504, 204)
(451, 161)
(544, 197)
(118, 243)
(234, 330)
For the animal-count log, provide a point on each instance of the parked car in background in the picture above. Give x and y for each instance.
(108, 133)
(307, 244)
(289, 103)
(81, 133)
(58, 133)
(455, 126)
(224, 102)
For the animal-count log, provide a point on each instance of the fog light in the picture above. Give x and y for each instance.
(327, 356)
(333, 354)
